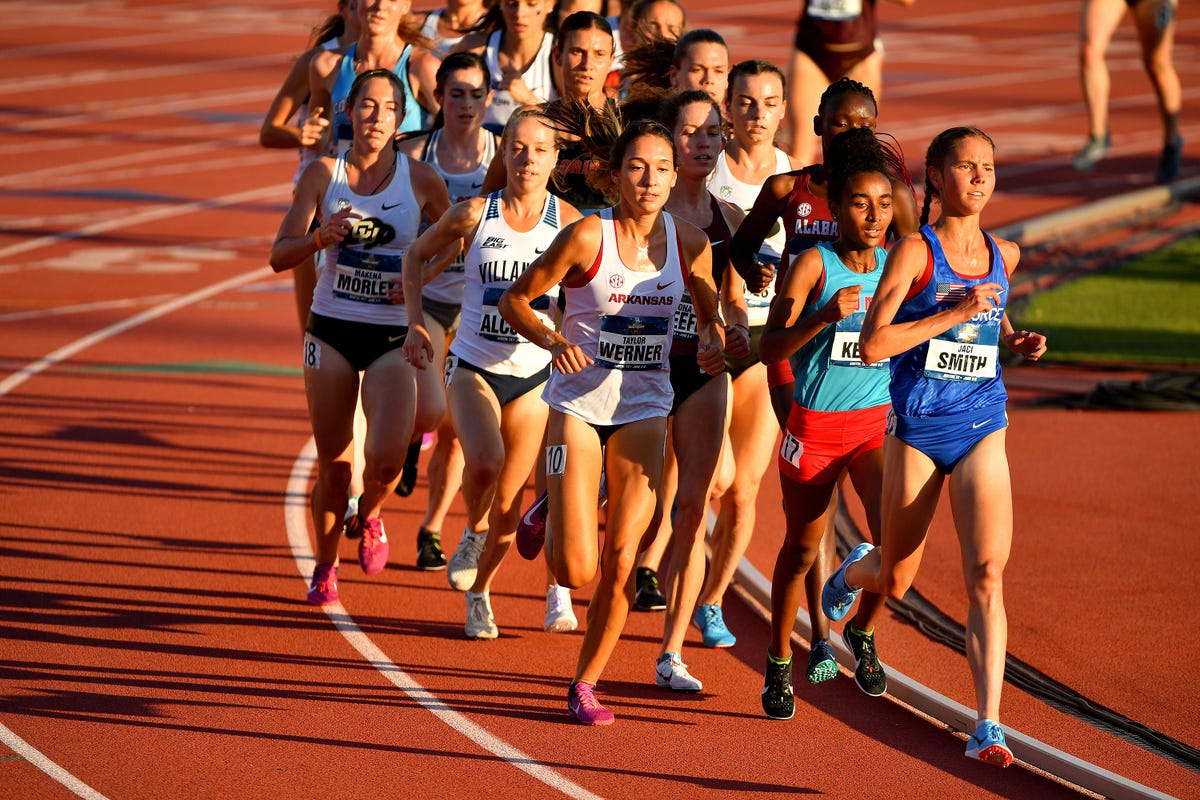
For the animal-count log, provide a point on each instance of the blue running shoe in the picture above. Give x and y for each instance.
(822, 664)
(837, 597)
(988, 745)
(711, 623)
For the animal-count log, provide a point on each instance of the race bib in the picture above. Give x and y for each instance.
(685, 320)
(835, 9)
(964, 353)
(844, 352)
(493, 327)
(635, 343)
(791, 449)
(365, 277)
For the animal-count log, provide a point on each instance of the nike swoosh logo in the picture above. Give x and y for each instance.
(717, 242)
(386, 207)
(539, 252)
(476, 185)
(981, 424)
(393, 339)
(662, 286)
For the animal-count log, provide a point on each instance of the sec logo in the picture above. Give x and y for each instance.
(804, 209)
(616, 280)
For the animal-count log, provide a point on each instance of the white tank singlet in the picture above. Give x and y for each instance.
(497, 255)
(622, 319)
(355, 282)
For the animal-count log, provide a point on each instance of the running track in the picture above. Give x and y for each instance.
(153, 446)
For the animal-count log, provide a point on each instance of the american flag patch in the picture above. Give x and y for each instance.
(950, 291)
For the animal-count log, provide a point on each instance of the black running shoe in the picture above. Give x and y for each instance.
(777, 700)
(408, 475)
(430, 557)
(868, 672)
(648, 596)
(1171, 163)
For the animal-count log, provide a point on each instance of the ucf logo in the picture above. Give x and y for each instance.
(371, 232)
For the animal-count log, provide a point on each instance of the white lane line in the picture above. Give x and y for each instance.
(14, 742)
(65, 352)
(126, 302)
(280, 190)
(296, 521)
(35, 757)
(955, 715)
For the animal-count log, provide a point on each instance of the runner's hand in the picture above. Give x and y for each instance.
(418, 347)
(1030, 344)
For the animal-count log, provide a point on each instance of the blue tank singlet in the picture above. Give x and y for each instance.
(830, 375)
(342, 130)
(957, 371)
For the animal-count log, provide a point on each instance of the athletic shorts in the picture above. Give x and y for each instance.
(736, 366)
(446, 314)
(947, 439)
(506, 387)
(360, 343)
(686, 379)
(819, 445)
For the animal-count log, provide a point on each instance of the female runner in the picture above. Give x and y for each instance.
(837, 420)
(515, 38)
(755, 104)
(369, 200)
(698, 412)
(278, 130)
(492, 372)
(623, 272)
(939, 317)
(460, 150)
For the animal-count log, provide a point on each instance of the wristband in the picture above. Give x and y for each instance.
(317, 239)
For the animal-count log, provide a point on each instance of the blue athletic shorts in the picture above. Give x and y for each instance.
(947, 439)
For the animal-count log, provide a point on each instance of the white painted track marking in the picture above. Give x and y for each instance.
(37, 759)
(296, 521)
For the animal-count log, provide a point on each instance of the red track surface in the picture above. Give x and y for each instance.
(155, 639)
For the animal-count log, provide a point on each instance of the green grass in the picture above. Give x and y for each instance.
(1146, 311)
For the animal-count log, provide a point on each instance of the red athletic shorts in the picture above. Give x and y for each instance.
(819, 445)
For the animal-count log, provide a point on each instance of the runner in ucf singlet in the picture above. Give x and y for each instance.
(623, 319)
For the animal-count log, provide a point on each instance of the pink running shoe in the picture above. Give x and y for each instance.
(373, 547)
(531, 530)
(585, 708)
(323, 589)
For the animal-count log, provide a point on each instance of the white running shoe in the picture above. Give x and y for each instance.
(480, 622)
(560, 617)
(671, 673)
(462, 566)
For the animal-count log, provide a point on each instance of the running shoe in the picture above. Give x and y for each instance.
(462, 566)
(868, 672)
(671, 673)
(560, 617)
(711, 623)
(836, 596)
(1171, 162)
(822, 664)
(648, 596)
(430, 557)
(584, 707)
(408, 474)
(777, 699)
(1094, 149)
(323, 589)
(480, 622)
(350, 522)
(531, 529)
(373, 546)
(988, 745)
